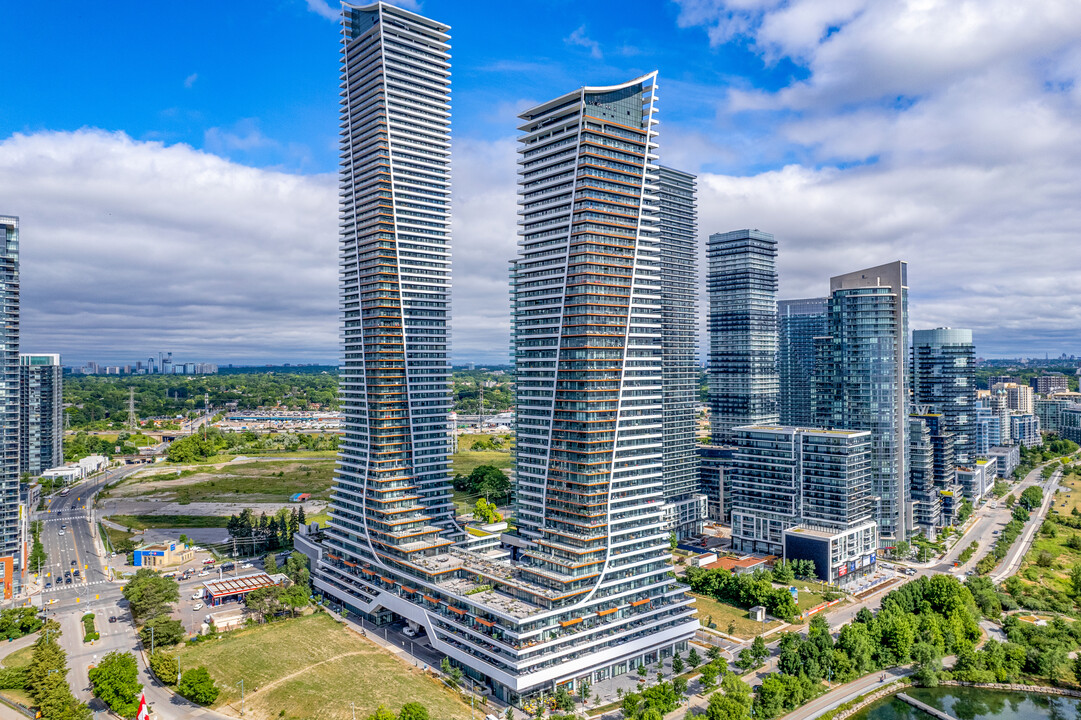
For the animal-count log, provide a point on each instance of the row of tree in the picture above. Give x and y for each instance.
(255, 535)
(204, 445)
(487, 482)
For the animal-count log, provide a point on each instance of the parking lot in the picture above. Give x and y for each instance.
(192, 609)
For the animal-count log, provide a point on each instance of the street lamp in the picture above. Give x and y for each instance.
(241, 683)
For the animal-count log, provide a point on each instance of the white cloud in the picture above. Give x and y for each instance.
(580, 39)
(133, 247)
(944, 133)
(189, 81)
(320, 8)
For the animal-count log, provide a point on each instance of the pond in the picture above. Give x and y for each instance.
(964, 703)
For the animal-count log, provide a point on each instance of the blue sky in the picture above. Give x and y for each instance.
(174, 165)
(257, 82)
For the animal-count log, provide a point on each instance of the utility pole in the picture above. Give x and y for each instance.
(133, 421)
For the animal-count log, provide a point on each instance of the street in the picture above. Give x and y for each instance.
(93, 592)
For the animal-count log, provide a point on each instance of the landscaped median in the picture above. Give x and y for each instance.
(90, 631)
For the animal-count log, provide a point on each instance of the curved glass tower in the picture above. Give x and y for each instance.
(590, 595)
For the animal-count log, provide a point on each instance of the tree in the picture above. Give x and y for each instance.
(783, 572)
(928, 664)
(679, 685)
(901, 549)
(693, 659)
(149, 594)
(713, 653)
(745, 660)
(642, 672)
(1075, 579)
(1031, 497)
(270, 564)
(116, 681)
(722, 707)
(381, 713)
(759, 651)
(413, 711)
(162, 631)
(265, 601)
(165, 667)
(197, 685)
(677, 664)
(486, 512)
(708, 678)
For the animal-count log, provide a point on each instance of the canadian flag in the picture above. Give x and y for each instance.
(144, 711)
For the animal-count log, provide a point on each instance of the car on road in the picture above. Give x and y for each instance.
(60, 533)
(67, 581)
(197, 606)
(245, 566)
(59, 512)
(73, 563)
(76, 573)
(48, 584)
(203, 573)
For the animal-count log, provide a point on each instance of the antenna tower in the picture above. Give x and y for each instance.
(133, 420)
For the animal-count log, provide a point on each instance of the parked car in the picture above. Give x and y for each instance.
(409, 632)
(112, 618)
(208, 561)
(197, 606)
(197, 596)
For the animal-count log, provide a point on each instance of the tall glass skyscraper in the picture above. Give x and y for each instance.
(861, 381)
(9, 387)
(590, 594)
(944, 381)
(799, 322)
(677, 212)
(743, 331)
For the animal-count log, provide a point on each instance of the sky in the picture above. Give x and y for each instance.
(175, 172)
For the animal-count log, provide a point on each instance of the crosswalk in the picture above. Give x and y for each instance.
(66, 518)
(75, 585)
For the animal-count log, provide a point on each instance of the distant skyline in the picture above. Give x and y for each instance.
(177, 187)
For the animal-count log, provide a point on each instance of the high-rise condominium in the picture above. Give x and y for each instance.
(591, 594)
(9, 386)
(944, 381)
(743, 331)
(799, 322)
(41, 409)
(861, 377)
(589, 334)
(677, 224)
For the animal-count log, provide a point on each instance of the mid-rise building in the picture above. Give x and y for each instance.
(1002, 380)
(1006, 459)
(861, 382)
(41, 413)
(677, 213)
(1019, 398)
(799, 322)
(1070, 423)
(943, 472)
(743, 331)
(804, 494)
(1025, 429)
(9, 393)
(943, 372)
(1049, 411)
(1047, 384)
(976, 478)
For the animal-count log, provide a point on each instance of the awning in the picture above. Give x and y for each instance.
(568, 623)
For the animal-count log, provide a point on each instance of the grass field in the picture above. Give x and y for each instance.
(729, 617)
(313, 667)
(148, 522)
(465, 462)
(19, 658)
(116, 536)
(257, 481)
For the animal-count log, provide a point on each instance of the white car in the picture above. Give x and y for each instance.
(197, 596)
(203, 573)
(245, 566)
(197, 606)
(60, 533)
(409, 632)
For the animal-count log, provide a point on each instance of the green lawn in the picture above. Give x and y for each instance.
(19, 658)
(147, 522)
(465, 462)
(115, 535)
(245, 481)
(314, 667)
(729, 617)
